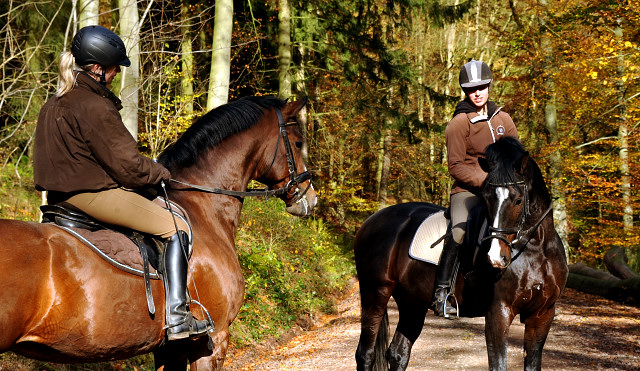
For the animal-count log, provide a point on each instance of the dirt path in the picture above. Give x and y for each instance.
(589, 333)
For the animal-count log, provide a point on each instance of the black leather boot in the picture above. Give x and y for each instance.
(180, 323)
(444, 276)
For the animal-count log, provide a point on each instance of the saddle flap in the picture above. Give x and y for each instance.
(68, 216)
(427, 242)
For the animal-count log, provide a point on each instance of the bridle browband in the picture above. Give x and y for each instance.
(523, 236)
(294, 178)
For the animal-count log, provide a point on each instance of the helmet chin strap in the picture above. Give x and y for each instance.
(101, 76)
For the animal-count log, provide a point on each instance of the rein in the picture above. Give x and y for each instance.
(519, 243)
(294, 178)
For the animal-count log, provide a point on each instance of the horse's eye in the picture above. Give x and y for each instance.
(518, 201)
(298, 144)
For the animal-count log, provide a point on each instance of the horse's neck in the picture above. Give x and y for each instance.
(229, 166)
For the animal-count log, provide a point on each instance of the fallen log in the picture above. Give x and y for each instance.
(616, 261)
(584, 270)
(620, 290)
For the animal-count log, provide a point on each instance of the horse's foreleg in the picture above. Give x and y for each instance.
(536, 329)
(496, 329)
(410, 323)
(166, 359)
(214, 360)
(374, 306)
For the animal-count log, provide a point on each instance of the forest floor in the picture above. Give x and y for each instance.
(588, 333)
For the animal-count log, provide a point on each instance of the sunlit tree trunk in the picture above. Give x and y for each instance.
(284, 49)
(300, 83)
(623, 135)
(551, 123)
(129, 32)
(221, 55)
(88, 12)
(384, 165)
(187, 62)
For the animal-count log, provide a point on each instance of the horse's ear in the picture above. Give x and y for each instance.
(521, 165)
(484, 164)
(291, 108)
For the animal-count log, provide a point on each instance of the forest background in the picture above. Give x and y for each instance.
(382, 82)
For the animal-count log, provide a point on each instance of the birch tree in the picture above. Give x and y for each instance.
(623, 134)
(284, 49)
(88, 11)
(221, 55)
(187, 61)
(129, 31)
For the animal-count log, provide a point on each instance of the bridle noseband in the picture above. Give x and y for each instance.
(523, 236)
(294, 178)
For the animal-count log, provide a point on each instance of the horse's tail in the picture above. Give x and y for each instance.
(382, 343)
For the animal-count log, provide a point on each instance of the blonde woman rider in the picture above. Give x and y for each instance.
(84, 156)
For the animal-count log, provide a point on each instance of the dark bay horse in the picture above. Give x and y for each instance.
(60, 302)
(520, 269)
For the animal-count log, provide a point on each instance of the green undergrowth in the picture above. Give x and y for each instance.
(293, 268)
(18, 198)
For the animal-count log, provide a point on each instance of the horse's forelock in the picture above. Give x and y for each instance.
(215, 126)
(501, 157)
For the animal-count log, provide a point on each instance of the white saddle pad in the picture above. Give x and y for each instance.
(431, 229)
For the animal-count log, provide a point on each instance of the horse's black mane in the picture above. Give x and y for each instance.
(502, 156)
(216, 125)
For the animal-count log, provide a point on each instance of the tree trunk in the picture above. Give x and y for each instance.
(221, 55)
(551, 123)
(616, 262)
(88, 12)
(384, 165)
(618, 290)
(623, 133)
(583, 270)
(187, 62)
(621, 284)
(284, 49)
(129, 31)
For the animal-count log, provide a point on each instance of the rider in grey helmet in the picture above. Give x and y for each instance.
(85, 156)
(476, 123)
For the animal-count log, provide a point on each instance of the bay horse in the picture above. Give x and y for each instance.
(60, 302)
(519, 269)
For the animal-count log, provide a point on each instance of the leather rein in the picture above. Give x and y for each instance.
(294, 178)
(523, 236)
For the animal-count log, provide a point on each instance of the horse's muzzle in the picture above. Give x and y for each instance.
(499, 253)
(304, 205)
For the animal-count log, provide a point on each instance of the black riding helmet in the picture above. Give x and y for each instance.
(95, 44)
(475, 73)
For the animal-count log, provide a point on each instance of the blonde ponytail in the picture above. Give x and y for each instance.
(66, 75)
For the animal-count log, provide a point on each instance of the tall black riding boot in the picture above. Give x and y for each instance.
(180, 323)
(444, 276)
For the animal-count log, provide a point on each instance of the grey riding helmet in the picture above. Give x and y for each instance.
(475, 73)
(96, 44)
